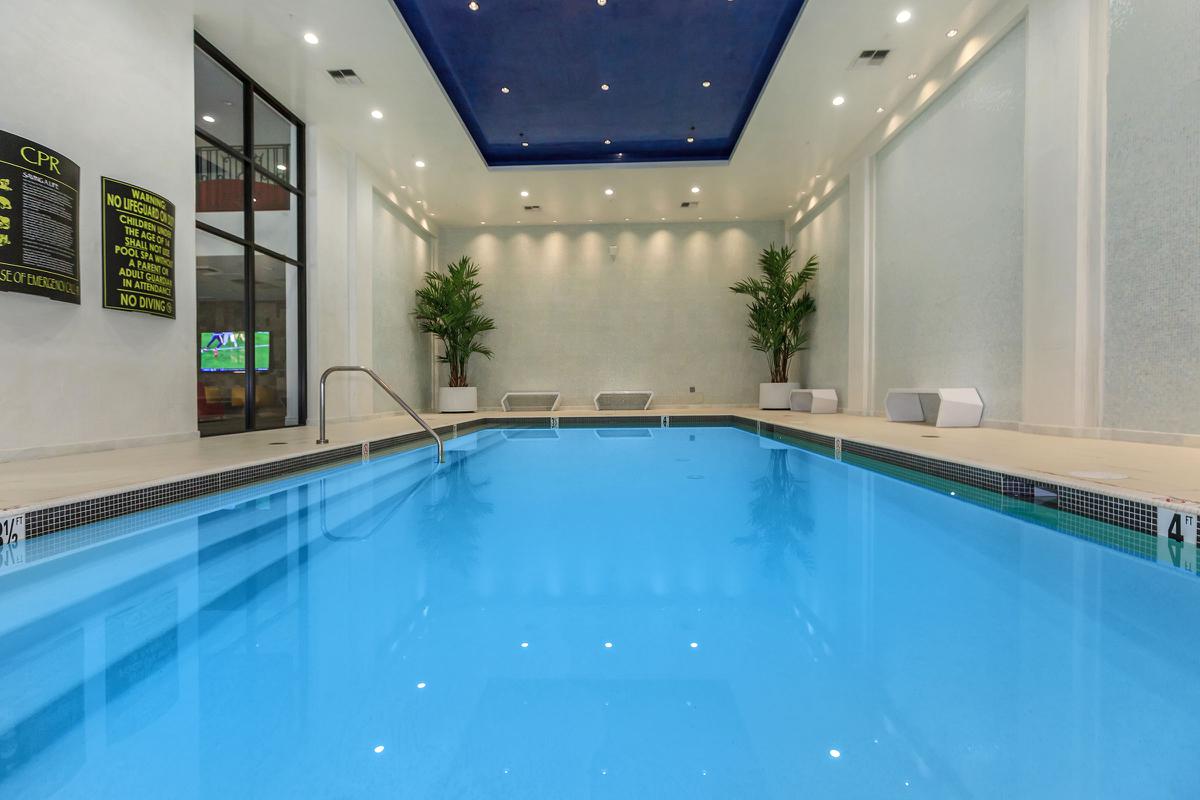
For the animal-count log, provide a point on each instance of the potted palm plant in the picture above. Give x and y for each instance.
(448, 306)
(779, 306)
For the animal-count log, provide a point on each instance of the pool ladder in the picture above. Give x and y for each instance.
(375, 377)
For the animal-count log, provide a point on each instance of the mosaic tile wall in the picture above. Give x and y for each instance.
(1152, 220)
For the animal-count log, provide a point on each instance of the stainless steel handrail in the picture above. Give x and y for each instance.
(440, 447)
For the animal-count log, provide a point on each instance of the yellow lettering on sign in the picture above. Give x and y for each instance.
(32, 155)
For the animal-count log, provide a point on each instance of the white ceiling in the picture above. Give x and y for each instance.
(794, 134)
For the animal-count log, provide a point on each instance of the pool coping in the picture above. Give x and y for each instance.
(1128, 510)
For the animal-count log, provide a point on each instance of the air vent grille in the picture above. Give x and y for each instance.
(870, 58)
(690, 204)
(533, 208)
(345, 77)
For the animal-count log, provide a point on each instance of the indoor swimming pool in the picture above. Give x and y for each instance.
(677, 612)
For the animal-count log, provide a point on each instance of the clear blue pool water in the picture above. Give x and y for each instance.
(667, 613)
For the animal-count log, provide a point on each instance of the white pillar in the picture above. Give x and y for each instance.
(861, 342)
(1063, 270)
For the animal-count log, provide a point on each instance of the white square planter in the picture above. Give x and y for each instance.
(458, 399)
(775, 395)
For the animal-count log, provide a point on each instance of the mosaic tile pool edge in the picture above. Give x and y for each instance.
(1127, 514)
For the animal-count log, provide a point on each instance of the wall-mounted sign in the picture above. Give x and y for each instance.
(39, 220)
(139, 249)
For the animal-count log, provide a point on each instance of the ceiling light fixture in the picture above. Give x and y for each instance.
(524, 193)
(601, 3)
(503, 90)
(904, 16)
(879, 110)
(524, 144)
(312, 38)
(209, 118)
(691, 139)
(706, 84)
(604, 87)
(377, 114)
(608, 141)
(281, 167)
(839, 100)
(608, 192)
(912, 76)
(419, 164)
(695, 190)
(950, 34)
(473, 5)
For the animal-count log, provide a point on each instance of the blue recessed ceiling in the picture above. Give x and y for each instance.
(553, 55)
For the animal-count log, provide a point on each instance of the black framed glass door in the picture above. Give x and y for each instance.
(250, 254)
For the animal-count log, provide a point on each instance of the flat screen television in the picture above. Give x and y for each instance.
(225, 351)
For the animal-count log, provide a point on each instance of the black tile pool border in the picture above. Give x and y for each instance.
(1028, 493)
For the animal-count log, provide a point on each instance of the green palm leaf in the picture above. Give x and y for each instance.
(779, 307)
(448, 306)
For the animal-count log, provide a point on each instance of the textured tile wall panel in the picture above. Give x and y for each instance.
(949, 239)
(1152, 264)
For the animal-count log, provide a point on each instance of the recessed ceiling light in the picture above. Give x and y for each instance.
(912, 76)
(377, 114)
(706, 84)
(473, 5)
(627, 219)
(839, 100)
(209, 118)
(524, 193)
(700, 218)
(904, 16)
(378, 748)
(601, 2)
(504, 90)
(950, 34)
(818, 177)
(691, 139)
(608, 141)
(312, 38)
(524, 144)
(419, 164)
(483, 223)
(789, 205)
(879, 110)
(835, 753)
(604, 87)
(695, 190)
(608, 192)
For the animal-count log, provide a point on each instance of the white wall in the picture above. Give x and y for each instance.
(114, 94)
(366, 257)
(659, 316)
(948, 243)
(1152, 322)
(400, 255)
(825, 233)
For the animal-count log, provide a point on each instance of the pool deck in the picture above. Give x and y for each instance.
(1155, 473)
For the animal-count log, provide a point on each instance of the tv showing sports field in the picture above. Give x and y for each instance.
(225, 351)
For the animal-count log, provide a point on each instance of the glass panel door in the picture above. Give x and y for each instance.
(250, 273)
